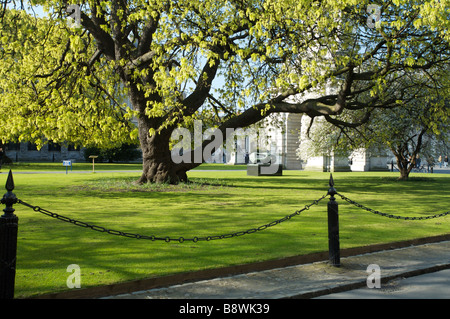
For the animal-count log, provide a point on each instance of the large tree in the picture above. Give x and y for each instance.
(65, 83)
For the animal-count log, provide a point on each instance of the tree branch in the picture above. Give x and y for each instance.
(104, 41)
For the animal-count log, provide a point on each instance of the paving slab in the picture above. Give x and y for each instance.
(310, 280)
(435, 285)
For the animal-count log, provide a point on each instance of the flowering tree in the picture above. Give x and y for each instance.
(71, 81)
(419, 128)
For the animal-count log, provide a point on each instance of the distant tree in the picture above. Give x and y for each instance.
(123, 153)
(409, 132)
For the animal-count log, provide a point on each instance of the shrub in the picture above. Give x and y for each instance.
(124, 153)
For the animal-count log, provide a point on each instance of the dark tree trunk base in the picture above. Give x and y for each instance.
(154, 172)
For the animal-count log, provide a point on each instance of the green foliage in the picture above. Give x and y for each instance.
(157, 61)
(48, 91)
(124, 153)
(421, 106)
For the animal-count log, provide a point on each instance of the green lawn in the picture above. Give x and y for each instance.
(82, 166)
(220, 203)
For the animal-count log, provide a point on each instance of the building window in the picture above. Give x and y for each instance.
(53, 147)
(13, 146)
(31, 146)
(73, 148)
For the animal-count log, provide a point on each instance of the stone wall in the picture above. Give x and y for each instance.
(25, 152)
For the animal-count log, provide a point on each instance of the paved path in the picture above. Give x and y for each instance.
(434, 285)
(313, 280)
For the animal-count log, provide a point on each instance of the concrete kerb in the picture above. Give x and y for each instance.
(363, 283)
(190, 277)
(310, 280)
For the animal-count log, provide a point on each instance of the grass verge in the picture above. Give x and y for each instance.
(218, 202)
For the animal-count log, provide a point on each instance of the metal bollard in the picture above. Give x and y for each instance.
(333, 227)
(8, 242)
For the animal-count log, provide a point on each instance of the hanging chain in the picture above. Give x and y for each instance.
(389, 215)
(167, 239)
(215, 237)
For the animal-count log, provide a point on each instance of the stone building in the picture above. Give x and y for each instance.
(278, 136)
(28, 152)
(283, 141)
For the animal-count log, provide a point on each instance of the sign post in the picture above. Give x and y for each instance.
(67, 164)
(93, 160)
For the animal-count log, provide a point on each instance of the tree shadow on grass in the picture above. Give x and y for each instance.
(129, 184)
(121, 187)
(43, 250)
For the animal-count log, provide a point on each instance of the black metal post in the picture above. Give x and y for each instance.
(333, 227)
(8, 241)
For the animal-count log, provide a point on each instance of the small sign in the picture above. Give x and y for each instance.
(67, 163)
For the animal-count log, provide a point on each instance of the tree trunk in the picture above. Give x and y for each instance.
(404, 166)
(404, 174)
(157, 164)
(406, 159)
